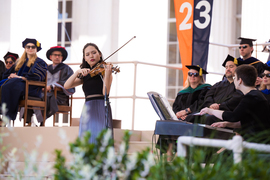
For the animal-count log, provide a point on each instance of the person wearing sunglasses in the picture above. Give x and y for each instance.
(252, 113)
(246, 50)
(188, 99)
(29, 67)
(10, 59)
(265, 85)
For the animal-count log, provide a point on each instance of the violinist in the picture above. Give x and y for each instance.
(93, 114)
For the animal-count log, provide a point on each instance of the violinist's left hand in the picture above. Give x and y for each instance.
(108, 68)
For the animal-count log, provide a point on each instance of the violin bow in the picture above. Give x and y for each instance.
(119, 48)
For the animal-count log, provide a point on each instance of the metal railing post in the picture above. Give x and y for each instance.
(134, 95)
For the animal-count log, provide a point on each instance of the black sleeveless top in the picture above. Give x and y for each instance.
(92, 85)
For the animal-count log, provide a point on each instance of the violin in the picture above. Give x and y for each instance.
(100, 69)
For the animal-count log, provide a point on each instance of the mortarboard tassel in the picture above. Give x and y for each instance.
(235, 61)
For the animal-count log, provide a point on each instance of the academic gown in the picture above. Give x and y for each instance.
(252, 112)
(12, 90)
(58, 76)
(255, 62)
(219, 93)
(190, 98)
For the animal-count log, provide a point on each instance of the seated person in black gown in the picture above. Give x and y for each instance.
(10, 59)
(191, 97)
(251, 113)
(222, 95)
(265, 85)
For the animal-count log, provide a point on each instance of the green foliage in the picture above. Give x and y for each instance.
(101, 162)
(253, 167)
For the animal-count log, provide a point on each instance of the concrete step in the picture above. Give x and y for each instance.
(47, 139)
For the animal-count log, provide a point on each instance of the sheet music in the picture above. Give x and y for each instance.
(162, 106)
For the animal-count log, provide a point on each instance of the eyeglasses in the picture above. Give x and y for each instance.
(267, 75)
(9, 62)
(244, 47)
(32, 47)
(194, 74)
(60, 55)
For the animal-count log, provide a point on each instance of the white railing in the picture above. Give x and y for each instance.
(236, 144)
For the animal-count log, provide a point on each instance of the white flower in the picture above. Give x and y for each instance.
(147, 164)
(106, 139)
(121, 151)
(85, 172)
(131, 163)
(39, 141)
(110, 156)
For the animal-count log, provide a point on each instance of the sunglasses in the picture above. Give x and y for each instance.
(194, 74)
(267, 75)
(9, 62)
(32, 47)
(244, 47)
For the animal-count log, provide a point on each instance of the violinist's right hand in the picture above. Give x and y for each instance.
(82, 72)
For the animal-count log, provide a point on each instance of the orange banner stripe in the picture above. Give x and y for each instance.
(184, 26)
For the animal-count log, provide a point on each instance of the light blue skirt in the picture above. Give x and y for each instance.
(93, 119)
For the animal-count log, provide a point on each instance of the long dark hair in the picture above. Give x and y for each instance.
(84, 63)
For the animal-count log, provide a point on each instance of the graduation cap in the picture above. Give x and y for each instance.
(34, 41)
(13, 56)
(230, 58)
(198, 68)
(247, 41)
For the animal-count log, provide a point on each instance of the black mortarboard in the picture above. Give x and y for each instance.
(230, 58)
(34, 41)
(247, 41)
(197, 68)
(13, 55)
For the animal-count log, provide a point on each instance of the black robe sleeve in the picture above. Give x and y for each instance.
(209, 96)
(65, 73)
(195, 106)
(2, 69)
(232, 102)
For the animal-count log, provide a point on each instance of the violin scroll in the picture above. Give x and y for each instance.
(115, 69)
